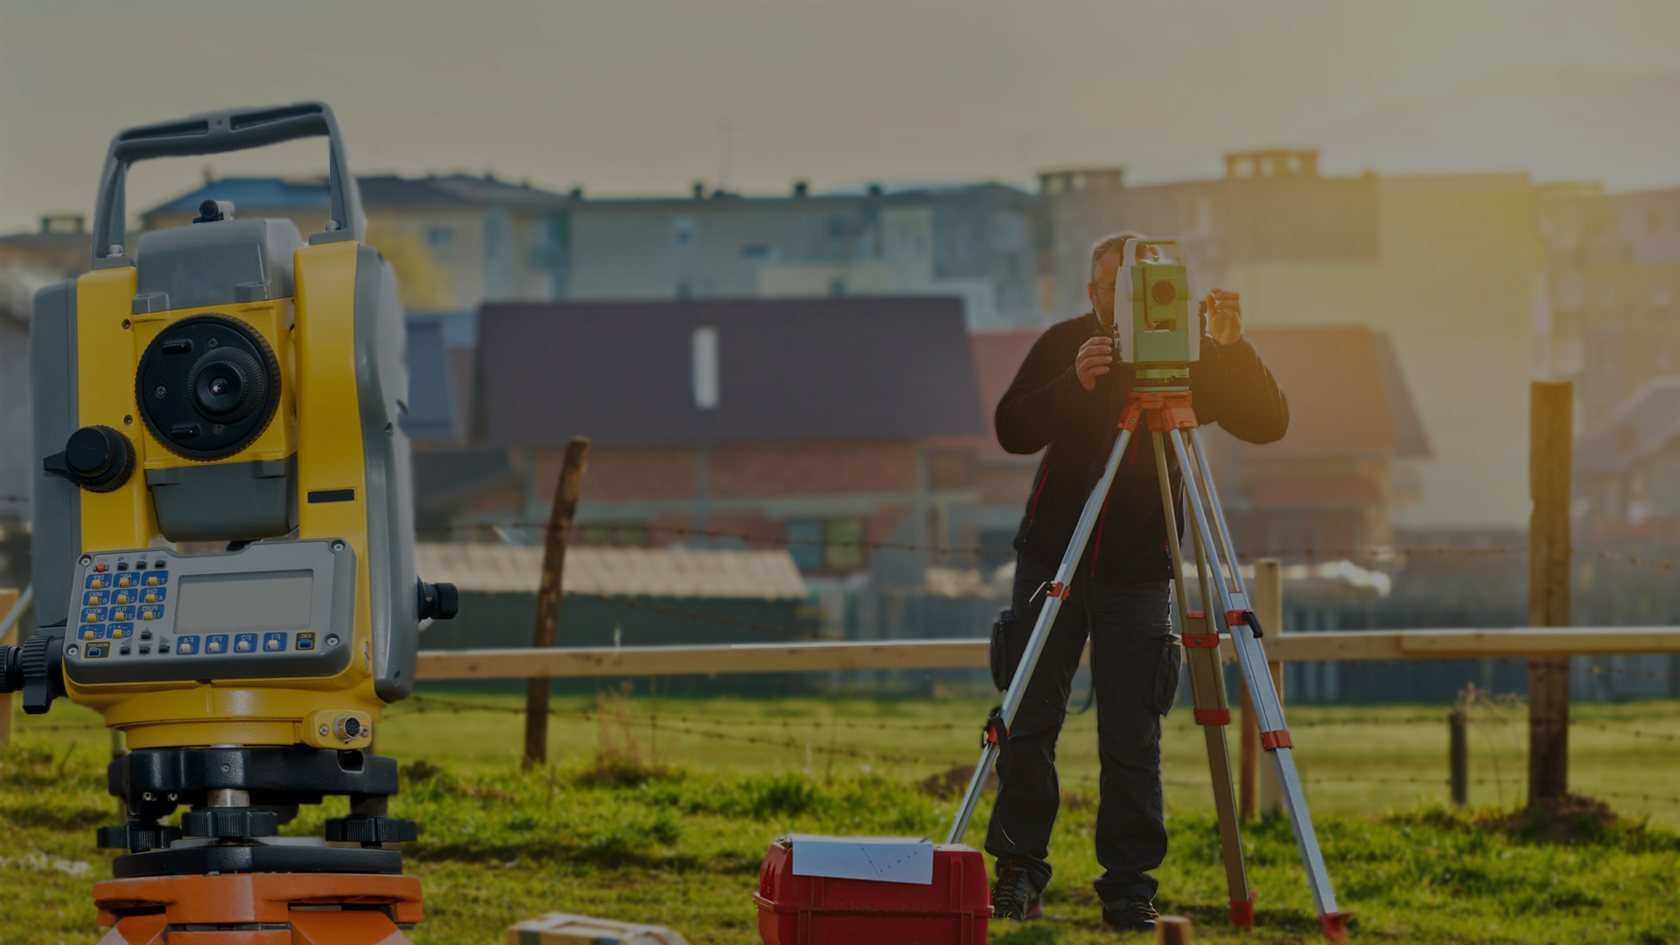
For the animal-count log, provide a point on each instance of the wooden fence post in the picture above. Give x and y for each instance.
(1550, 447)
(560, 516)
(1173, 930)
(8, 600)
(1268, 606)
(1458, 754)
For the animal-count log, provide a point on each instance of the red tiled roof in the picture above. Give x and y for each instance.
(1338, 491)
(1346, 395)
(997, 356)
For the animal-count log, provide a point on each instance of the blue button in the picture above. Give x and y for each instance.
(216, 643)
(244, 643)
(186, 646)
(274, 642)
(306, 641)
(95, 651)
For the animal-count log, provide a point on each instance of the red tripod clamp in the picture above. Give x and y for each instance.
(995, 731)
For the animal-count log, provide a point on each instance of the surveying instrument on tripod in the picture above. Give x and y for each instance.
(225, 381)
(1157, 333)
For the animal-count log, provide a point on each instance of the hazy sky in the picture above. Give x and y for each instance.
(628, 97)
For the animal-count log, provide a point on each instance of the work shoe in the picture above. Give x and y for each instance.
(1013, 895)
(1130, 914)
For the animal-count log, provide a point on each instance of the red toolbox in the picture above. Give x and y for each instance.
(817, 910)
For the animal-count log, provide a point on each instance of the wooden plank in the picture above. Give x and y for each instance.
(1551, 441)
(522, 663)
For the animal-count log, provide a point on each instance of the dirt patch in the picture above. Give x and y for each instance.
(953, 782)
(1573, 818)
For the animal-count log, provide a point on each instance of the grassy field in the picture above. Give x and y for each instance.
(672, 828)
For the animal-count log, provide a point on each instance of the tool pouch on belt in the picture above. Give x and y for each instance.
(1004, 656)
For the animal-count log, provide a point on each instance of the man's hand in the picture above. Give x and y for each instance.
(1224, 316)
(1094, 358)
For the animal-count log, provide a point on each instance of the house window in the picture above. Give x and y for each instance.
(440, 236)
(682, 232)
(826, 545)
(845, 551)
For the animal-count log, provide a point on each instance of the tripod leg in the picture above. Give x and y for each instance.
(1056, 594)
(1234, 607)
(1207, 686)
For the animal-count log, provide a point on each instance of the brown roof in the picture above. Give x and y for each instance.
(1347, 395)
(997, 356)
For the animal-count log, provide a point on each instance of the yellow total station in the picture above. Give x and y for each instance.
(223, 535)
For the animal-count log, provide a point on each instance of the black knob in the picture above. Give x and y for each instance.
(230, 823)
(97, 458)
(209, 211)
(440, 601)
(35, 669)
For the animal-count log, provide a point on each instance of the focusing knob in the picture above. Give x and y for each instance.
(440, 601)
(97, 458)
(35, 669)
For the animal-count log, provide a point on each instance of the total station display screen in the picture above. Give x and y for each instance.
(269, 600)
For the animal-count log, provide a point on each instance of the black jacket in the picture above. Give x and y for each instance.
(1045, 406)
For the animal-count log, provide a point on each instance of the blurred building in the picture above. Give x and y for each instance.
(457, 241)
(1002, 480)
(981, 242)
(1447, 267)
(1627, 469)
(1612, 319)
(810, 423)
(1332, 487)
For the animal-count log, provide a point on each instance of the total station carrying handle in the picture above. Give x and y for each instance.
(234, 129)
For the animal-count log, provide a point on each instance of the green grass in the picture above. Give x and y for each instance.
(679, 841)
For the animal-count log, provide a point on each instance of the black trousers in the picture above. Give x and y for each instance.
(1135, 665)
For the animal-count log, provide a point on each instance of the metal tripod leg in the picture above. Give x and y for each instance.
(1230, 602)
(1207, 687)
(1056, 593)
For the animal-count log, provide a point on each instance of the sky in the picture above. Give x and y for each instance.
(634, 96)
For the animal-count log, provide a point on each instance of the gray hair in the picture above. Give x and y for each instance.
(1112, 243)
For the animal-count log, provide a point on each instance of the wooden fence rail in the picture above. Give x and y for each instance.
(965, 654)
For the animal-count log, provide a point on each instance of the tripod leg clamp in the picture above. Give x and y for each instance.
(1234, 617)
(1213, 716)
(995, 731)
(1273, 740)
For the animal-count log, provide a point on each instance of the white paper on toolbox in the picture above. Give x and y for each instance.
(880, 859)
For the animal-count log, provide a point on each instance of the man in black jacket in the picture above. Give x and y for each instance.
(1067, 400)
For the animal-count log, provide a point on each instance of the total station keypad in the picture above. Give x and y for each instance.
(118, 597)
